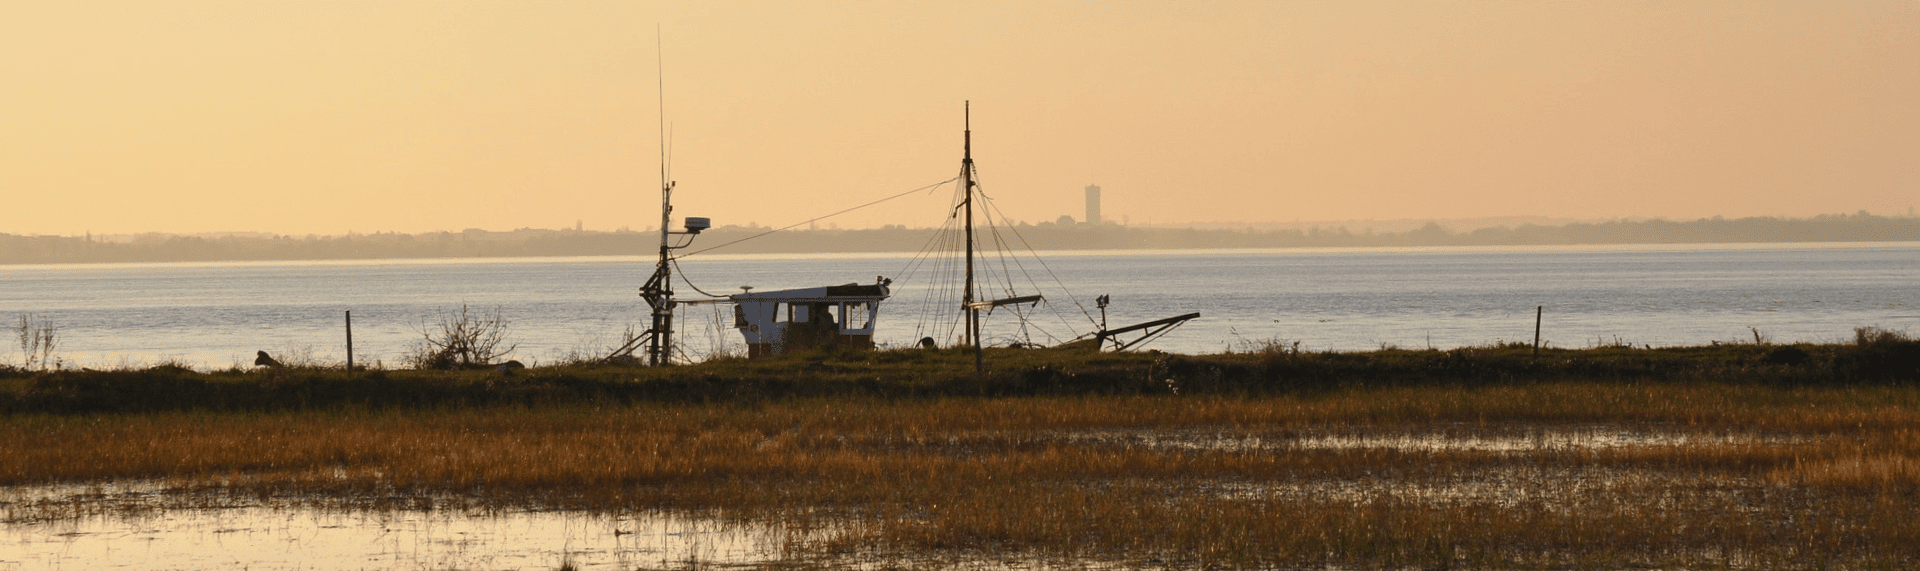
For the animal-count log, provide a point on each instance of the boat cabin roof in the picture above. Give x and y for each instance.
(849, 292)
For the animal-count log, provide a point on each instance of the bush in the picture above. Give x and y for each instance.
(462, 340)
(1881, 355)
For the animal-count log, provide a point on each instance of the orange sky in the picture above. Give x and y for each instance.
(335, 116)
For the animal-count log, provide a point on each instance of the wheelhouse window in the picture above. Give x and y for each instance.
(856, 315)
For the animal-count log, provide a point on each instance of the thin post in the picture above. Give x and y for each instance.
(1537, 310)
(349, 342)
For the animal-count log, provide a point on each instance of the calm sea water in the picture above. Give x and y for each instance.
(217, 314)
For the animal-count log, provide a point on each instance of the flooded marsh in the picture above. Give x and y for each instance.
(1566, 475)
(268, 536)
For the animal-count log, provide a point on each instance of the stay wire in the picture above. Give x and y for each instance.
(946, 275)
(914, 264)
(1005, 252)
(684, 280)
(936, 242)
(946, 284)
(952, 285)
(911, 271)
(683, 274)
(817, 219)
(1007, 256)
(1044, 266)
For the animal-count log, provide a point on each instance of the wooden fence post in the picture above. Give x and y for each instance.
(1537, 310)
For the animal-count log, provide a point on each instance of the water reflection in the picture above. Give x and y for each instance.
(270, 537)
(1515, 440)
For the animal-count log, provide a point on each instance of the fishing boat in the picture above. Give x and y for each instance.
(772, 322)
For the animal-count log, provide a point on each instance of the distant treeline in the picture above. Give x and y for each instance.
(1860, 227)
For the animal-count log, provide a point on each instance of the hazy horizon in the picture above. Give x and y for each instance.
(329, 118)
(1394, 225)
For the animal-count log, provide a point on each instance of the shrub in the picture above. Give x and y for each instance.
(1881, 355)
(461, 340)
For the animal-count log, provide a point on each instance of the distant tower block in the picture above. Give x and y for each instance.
(1093, 204)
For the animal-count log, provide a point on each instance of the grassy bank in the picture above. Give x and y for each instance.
(1876, 358)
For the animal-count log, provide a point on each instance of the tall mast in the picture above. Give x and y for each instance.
(966, 186)
(659, 289)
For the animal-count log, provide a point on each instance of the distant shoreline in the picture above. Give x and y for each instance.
(532, 243)
(722, 256)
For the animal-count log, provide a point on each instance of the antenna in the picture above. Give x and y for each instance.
(659, 288)
(660, 72)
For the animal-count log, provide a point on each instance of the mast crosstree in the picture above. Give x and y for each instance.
(973, 296)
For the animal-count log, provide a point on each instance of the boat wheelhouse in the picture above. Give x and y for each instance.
(775, 322)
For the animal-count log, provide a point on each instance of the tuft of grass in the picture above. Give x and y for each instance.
(38, 339)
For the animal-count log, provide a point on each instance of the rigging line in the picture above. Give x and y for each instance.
(949, 284)
(935, 243)
(816, 219)
(912, 272)
(933, 263)
(1007, 247)
(1002, 249)
(1004, 278)
(1001, 238)
(925, 249)
(1049, 269)
(951, 287)
(943, 270)
(1027, 316)
(684, 280)
(1005, 253)
(918, 261)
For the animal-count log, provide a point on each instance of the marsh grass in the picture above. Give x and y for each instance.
(1747, 476)
(38, 339)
